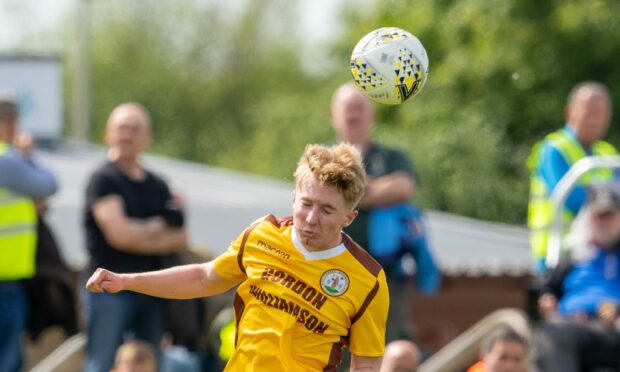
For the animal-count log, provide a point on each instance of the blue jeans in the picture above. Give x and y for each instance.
(113, 317)
(13, 318)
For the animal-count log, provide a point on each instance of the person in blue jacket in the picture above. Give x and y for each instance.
(24, 182)
(582, 294)
(588, 114)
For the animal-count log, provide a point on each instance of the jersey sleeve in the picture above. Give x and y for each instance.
(368, 332)
(229, 265)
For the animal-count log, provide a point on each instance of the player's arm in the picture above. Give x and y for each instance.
(367, 333)
(139, 236)
(180, 282)
(393, 188)
(365, 364)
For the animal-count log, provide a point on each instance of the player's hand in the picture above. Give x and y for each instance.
(104, 280)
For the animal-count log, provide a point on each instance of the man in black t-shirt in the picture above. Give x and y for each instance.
(131, 221)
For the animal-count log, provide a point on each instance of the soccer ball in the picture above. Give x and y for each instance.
(389, 65)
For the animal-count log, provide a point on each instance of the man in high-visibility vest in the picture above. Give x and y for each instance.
(22, 182)
(587, 114)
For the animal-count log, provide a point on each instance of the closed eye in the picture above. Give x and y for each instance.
(328, 210)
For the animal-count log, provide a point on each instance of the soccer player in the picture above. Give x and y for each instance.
(305, 288)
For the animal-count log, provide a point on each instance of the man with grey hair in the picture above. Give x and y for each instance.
(581, 295)
(587, 114)
(23, 182)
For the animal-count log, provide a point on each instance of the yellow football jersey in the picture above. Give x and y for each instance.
(296, 309)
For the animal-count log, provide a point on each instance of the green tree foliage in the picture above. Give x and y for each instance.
(231, 89)
(227, 91)
(499, 76)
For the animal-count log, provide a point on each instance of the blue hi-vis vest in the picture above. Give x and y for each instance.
(540, 208)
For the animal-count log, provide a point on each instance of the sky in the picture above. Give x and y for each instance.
(39, 23)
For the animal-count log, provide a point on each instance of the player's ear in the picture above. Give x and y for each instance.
(350, 217)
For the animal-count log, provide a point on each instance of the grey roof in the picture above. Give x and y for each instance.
(221, 203)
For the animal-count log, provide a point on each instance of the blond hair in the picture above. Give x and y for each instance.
(339, 166)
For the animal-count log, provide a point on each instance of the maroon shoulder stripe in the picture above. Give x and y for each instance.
(279, 221)
(242, 246)
(371, 295)
(335, 355)
(361, 255)
(239, 307)
(273, 219)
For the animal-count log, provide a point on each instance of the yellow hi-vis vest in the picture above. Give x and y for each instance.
(18, 238)
(540, 208)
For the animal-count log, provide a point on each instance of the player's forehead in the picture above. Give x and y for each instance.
(323, 195)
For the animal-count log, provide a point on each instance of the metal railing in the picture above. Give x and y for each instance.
(65, 357)
(560, 194)
(454, 356)
(466, 347)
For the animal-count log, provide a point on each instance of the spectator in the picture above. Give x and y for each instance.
(387, 225)
(502, 350)
(305, 289)
(177, 358)
(132, 222)
(581, 295)
(588, 112)
(401, 356)
(23, 181)
(135, 356)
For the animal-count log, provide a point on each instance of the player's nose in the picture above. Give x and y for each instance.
(312, 217)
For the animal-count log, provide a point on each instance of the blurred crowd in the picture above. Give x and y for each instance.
(134, 222)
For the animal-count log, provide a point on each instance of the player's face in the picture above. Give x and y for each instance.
(505, 356)
(319, 214)
(590, 117)
(128, 132)
(352, 117)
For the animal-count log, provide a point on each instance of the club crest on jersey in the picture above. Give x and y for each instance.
(334, 282)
